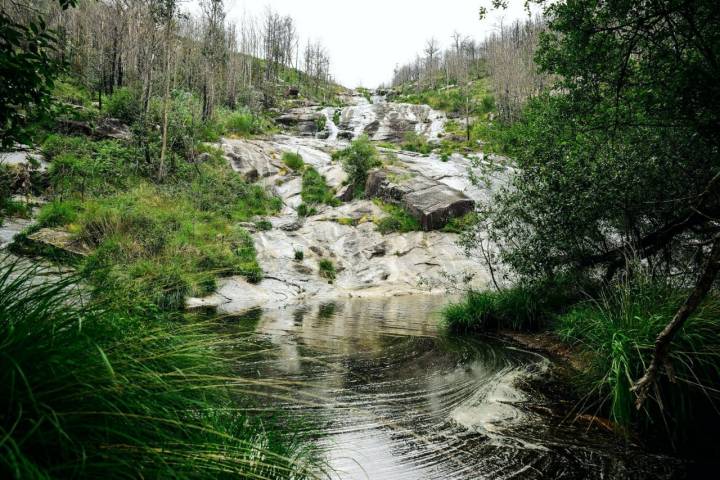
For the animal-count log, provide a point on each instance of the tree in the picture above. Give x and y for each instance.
(622, 160)
(28, 68)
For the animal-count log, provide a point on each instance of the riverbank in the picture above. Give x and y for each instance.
(604, 341)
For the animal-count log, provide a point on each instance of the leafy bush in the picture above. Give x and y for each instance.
(239, 123)
(305, 210)
(122, 395)
(415, 142)
(294, 161)
(58, 213)
(357, 160)
(123, 104)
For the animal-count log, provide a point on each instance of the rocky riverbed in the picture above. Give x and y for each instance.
(368, 263)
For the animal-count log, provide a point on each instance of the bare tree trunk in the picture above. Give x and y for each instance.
(664, 340)
(166, 102)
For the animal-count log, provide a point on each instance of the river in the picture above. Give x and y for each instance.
(389, 396)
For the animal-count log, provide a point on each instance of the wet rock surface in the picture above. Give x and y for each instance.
(433, 203)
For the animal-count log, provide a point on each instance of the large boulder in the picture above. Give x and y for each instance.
(306, 120)
(433, 203)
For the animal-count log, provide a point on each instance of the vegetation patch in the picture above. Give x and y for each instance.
(315, 189)
(107, 394)
(327, 269)
(396, 220)
(294, 161)
(357, 160)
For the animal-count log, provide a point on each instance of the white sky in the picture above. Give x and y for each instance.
(366, 39)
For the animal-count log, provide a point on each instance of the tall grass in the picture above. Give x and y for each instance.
(526, 306)
(618, 330)
(90, 393)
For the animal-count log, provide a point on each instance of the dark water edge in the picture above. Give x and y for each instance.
(388, 396)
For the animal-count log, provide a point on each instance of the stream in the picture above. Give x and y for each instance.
(390, 397)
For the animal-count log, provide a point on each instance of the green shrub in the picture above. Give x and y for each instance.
(461, 224)
(93, 393)
(415, 142)
(357, 160)
(240, 123)
(58, 213)
(327, 269)
(294, 161)
(315, 189)
(123, 104)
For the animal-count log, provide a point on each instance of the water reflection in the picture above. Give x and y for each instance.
(394, 399)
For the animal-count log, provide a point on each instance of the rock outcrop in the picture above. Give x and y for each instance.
(431, 202)
(307, 120)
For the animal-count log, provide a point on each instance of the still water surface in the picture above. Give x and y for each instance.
(393, 398)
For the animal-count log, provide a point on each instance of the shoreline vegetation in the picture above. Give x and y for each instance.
(605, 235)
(104, 373)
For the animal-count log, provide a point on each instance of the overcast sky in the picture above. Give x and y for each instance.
(367, 38)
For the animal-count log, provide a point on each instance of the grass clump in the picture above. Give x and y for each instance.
(414, 142)
(396, 219)
(327, 269)
(299, 255)
(357, 160)
(315, 189)
(93, 393)
(294, 161)
(527, 306)
(617, 333)
(305, 210)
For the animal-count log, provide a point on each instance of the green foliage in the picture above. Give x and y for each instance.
(415, 142)
(320, 123)
(263, 225)
(396, 219)
(159, 248)
(315, 190)
(93, 393)
(305, 210)
(357, 160)
(294, 161)
(242, 123)
(624, 143)
(28, 69)
(526, 306)
(617, 333)
(299, 255)
(58, 213)
(123, 104)
(461, 224)
(337, 114)
(327, 269)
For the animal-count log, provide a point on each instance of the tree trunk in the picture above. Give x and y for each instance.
(664, 340)
(166, 101)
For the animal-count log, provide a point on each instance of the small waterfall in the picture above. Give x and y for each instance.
(330, 126)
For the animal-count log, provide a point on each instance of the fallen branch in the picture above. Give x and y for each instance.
(664, 340)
